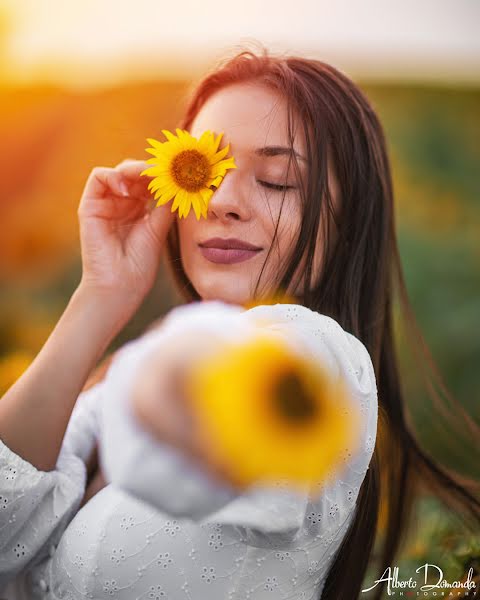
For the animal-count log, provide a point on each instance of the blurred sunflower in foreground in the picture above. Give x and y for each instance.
(184, 168)
(269, 413)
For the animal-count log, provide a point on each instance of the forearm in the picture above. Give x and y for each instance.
(35, 411)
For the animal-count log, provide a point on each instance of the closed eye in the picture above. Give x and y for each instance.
(275, 186)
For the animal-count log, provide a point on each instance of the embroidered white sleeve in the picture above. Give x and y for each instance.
(133, 459)
(36, 506)
(156, 473)
(332, 503)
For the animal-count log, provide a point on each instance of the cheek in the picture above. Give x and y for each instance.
(289, 225)
(272, 210)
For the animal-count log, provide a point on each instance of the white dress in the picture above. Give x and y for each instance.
(162, 529)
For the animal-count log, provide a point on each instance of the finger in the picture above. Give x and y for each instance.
(111, 207)
(104, 179)
(131, 168)
(157, 404)
(131, 171)
(102, 184)
(136, 183)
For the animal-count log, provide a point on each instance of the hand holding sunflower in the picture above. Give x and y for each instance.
(121, 234)
(185, 169)
(250, 412)
(162, 405)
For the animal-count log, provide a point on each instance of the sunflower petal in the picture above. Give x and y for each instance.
(151, 161)
(169, 135)
(155, 143)
(220, 154)
(146, 171)
(166, 197)
(206, 195)
(154, 184)
(169, 189)
(176, 202)
(221, 167)
(183, 202)
(205, 145)
(186, 210)
(159, 182)
(158, 170)
(159, 155)
(196, 207)
(163, 199)
(163, 190)
(216, 182)
(216, 142)
(228, 163)
(181, 134)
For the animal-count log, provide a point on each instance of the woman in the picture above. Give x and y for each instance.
(323, 219)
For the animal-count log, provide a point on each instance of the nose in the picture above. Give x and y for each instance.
(229, 201)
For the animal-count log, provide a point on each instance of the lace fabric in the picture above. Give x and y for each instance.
(187, 536)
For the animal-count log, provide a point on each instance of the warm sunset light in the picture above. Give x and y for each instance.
(91, 42)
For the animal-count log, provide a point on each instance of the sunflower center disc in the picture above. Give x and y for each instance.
(295, 403)
(190, 170)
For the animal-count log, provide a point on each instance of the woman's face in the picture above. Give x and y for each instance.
(252, 118)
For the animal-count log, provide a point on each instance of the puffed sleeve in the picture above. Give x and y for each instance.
(160, 475)
(36, 506)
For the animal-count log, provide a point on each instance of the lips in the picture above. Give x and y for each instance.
(227, 251)
(228, 244)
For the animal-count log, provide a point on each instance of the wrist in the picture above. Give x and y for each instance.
(115, 304)
(104, 312)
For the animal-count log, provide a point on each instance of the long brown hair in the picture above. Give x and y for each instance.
(360, 279)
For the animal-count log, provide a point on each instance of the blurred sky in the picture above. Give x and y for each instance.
(91, 42)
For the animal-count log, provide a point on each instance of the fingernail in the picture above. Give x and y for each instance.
(123, 188)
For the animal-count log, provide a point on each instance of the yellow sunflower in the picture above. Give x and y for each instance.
(268, 413)
(185, 168)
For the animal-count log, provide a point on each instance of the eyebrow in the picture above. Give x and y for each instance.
(278, 151)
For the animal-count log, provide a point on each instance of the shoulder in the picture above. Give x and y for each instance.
(298, 315)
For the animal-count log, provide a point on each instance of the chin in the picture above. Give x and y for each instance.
(227, 291)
